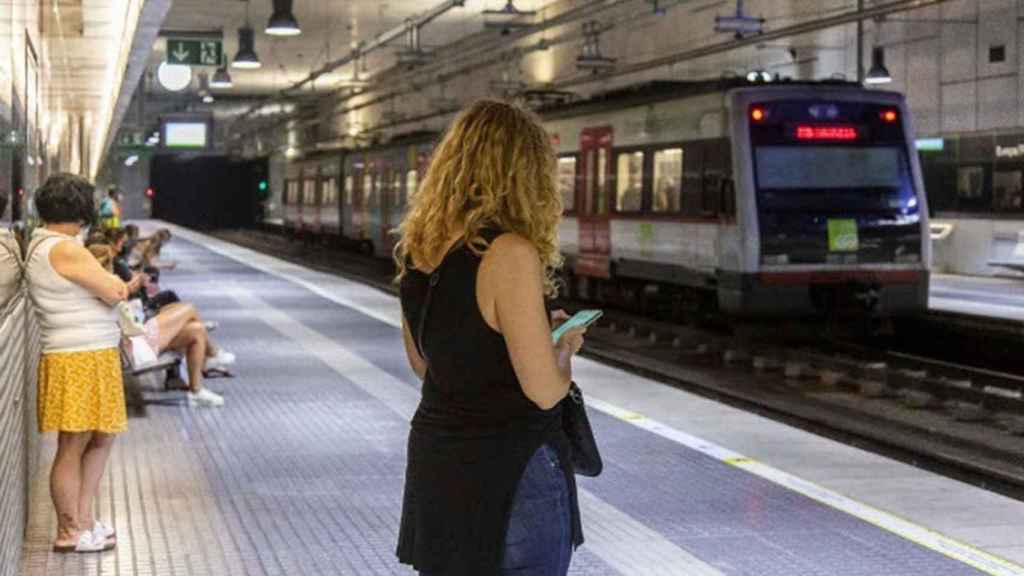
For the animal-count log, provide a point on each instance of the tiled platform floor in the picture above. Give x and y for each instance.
(301, 472)
(998, 297)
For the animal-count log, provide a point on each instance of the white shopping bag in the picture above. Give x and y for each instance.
(142, 353)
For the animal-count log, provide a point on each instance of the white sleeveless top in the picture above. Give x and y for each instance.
(71, 318)
(10, 267)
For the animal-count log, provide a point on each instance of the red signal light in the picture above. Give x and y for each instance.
(889, 116)
(21, 192)
(757, 114)
(833, 132)
(150, 193)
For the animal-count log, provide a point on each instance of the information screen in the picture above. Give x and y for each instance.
(186, 134)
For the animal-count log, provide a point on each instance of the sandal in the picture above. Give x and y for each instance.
(88, 542)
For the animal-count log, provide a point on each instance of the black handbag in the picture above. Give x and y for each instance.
(586, 458)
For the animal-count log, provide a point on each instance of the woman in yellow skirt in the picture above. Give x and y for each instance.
(81, 395)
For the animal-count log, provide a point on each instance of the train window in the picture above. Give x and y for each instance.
(693, 179)
(348, 190)
(567, 182)
(412, 178)
(668, 174)
(396, 190)
(1006, 190)
(309, 193)
(728, 197)
(367, 189)
(970, 182)
(330, 192)
(287, 191)
(629, 182)
(293, 192)
(602, 181)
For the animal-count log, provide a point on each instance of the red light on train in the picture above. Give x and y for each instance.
(150, 193)
(889, 116)
(836, 133)
(21, 192)
(757, 114)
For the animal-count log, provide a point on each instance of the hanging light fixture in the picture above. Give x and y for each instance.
(508, 18)
(246, 57)
(282, 21)
(221, 78)
(878, 74)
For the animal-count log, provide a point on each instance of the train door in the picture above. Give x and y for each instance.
(594, 225)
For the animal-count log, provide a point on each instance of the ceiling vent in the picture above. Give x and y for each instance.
(591, 58)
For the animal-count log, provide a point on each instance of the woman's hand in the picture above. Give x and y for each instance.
(567, 347)
(558, 317)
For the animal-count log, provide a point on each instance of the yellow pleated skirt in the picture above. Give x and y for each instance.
(82, 392)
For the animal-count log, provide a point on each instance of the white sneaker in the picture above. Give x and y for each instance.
(221, 359)
(88, 541)
(205, 399)
(103, 531)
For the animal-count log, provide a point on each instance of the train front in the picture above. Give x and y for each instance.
(833, 214)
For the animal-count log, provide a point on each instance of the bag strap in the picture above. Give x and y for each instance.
(435, 278)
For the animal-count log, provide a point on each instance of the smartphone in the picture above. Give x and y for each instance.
(581, 319)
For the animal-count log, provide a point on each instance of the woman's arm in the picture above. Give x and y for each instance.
(78, 265)
(511, 272)
(416, 362)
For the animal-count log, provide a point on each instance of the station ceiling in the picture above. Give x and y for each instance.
(330, 28)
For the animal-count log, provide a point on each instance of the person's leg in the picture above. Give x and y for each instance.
(94, 463)
(191, 340)
(171, 320)
(66, 484)
(538, 540)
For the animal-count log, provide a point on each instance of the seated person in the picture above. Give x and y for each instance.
(153, 299)
(179, 327)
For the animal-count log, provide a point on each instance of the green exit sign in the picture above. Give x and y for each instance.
(195, 52)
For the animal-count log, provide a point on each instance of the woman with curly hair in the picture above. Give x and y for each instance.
(489, 483)
(81, 394)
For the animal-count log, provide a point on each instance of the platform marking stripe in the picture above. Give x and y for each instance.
(618, 539)
(984, 561)
(965, 553)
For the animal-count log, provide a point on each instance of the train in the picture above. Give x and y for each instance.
(789, 199)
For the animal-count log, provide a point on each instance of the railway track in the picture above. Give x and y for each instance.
(958, 420)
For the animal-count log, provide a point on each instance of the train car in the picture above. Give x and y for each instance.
(378, 183)
(780, 200)
(766, 200)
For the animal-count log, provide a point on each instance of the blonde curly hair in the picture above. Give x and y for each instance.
(494, 168)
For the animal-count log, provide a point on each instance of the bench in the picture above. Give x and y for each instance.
(168, 364)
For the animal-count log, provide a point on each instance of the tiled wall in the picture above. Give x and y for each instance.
(18, 437)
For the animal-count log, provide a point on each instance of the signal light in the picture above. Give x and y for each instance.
(889, 116)
(150, 193)
(21, 192)
(263, 185)
(836, 133)
(757, 114)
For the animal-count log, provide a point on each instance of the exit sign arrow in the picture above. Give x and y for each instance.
(181, 54)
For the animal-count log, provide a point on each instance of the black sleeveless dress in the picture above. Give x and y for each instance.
(473, 433)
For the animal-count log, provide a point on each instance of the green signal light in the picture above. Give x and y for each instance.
(263, 185)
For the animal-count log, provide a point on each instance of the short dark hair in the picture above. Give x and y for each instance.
(66, 198)
(113, 192)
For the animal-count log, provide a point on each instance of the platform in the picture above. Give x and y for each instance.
(301, 472)
(996, 297)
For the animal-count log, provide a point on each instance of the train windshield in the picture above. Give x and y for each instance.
(835, 178)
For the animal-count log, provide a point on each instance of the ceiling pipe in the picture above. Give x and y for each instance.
(364, 48)
(876, 11)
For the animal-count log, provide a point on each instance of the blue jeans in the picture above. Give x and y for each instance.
(539, 537)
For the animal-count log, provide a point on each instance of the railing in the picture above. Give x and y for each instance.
(19, 351)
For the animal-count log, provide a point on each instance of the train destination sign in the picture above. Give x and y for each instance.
(195, 52)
